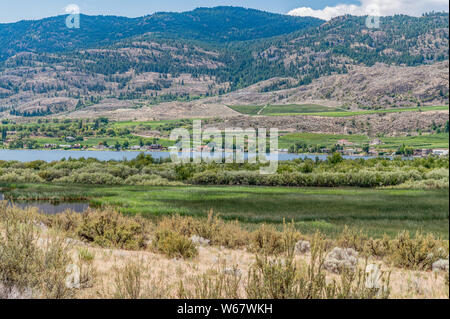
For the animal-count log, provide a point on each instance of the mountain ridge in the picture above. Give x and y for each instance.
(201, 24)
(147, 69)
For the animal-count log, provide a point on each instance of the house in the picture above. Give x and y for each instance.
(135, 148)
(417, 152)
(440, 152)
(154, 147)
(376, 142)
(349, 151)
(70, 138)
(65, 146)
(421, 152)
(50, 146)
(344, 143)
(426, 152)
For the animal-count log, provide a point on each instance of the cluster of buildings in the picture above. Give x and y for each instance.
(350, 148)
(64, 146)
(152, 147)
(102, 147)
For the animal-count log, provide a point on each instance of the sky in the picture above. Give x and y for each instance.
(15, 10)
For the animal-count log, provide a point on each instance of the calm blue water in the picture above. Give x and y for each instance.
(52, 208)
(56, 155)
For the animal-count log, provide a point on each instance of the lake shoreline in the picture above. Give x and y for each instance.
(107, 155)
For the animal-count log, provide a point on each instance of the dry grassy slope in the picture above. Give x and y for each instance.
(375, 85)
(59, 84)
(379, 85)
(390, 124)
(169, 272)
(120, 110)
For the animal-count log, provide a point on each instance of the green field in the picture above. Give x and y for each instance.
(319, 110)
(440, 140)
(376, 211)
(151, 125)
(282, 109)
(430, 141)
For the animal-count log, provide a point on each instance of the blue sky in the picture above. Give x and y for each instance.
(15, 10)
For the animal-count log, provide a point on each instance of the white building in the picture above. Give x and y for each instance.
(440, 152)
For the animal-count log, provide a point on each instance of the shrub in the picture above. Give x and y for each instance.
(86, 268)
(350, 238)
(150, 180)
(109, 228)
(27, 265)
(174, 244)
(94, 178)
(20, 176)
(341, 260)
(52, 174)
(214, 284)
(272, 279)
(283, 278)
(128, 281)
(418, 252)
(266, 239)
(219, 232)
(67, 222)
(379, 247)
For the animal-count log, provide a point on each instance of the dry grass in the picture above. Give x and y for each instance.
(273, 270)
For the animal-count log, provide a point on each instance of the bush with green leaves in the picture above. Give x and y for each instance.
(108, 228)
(173, 244)
(416, 252)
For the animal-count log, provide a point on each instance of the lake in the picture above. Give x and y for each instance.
(52, 208)
(56, 155)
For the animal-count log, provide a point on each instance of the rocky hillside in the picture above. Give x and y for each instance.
(164, 63)
(362, 87)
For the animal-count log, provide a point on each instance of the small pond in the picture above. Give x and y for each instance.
(52, 208)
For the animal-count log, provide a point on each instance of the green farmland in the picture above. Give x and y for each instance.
(282, 109)
(319, 110)
(429, 141)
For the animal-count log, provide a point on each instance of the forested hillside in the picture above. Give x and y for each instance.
(220, 24)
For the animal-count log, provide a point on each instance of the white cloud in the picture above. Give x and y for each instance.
(72, 9)
(375, 8)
